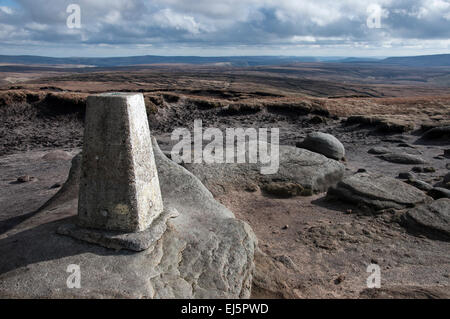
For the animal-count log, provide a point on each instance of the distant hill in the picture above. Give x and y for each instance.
(356, 60)
(240, 61)
(423, 60)
(153, 59)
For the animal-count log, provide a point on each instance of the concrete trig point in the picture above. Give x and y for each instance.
(119, 186)
(120, 203)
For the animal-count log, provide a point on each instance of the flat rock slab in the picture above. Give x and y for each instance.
(138, 241)
(312, 171)
(378, 192)
(205, 252)
(439, 192)
(423, 186)
(57, 155)
(402, 158)
(380, 150)
(438, 133)
(433, 218)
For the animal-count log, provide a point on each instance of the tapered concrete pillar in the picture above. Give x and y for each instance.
(119, 186)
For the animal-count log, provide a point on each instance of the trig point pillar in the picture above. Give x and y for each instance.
(119, 186)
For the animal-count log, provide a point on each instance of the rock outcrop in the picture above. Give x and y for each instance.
(378, 192)
(430, 219)
(310, 172)
(204, 253)
(439, 192)
(380, 150)
(402, 158)
(441, 132)
(423, 186)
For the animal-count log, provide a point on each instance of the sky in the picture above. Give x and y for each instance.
(225, 28)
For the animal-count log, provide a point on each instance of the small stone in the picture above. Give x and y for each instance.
(283, 190)
(339, 279)
(24, 179)
(317, 120)
(378, 150)
(285, 227)
(307, 192)
(251, 187)
(287, 261)
(405, 175)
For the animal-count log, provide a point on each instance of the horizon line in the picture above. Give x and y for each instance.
(227, 56)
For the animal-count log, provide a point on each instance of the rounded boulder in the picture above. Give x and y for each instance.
(325, 144)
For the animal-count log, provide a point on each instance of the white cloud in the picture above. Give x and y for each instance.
(303, 38)
(112, 17)
(228, 23)
(166, 18)
(6, 10)
(36, 26)
(433, 8)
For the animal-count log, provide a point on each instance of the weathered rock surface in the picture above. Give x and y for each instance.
(442, 132)
(447, 178)
(136, 241)
(439, 192)
(204, 253)
(312, 171)
(421, 169)
(284, 190)
(406, 175)
(402, 158)
(378, 150)
(433, 218)
(325, 144)
(423, 186)
(382, 124)
(57, 155)
(378, 192)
